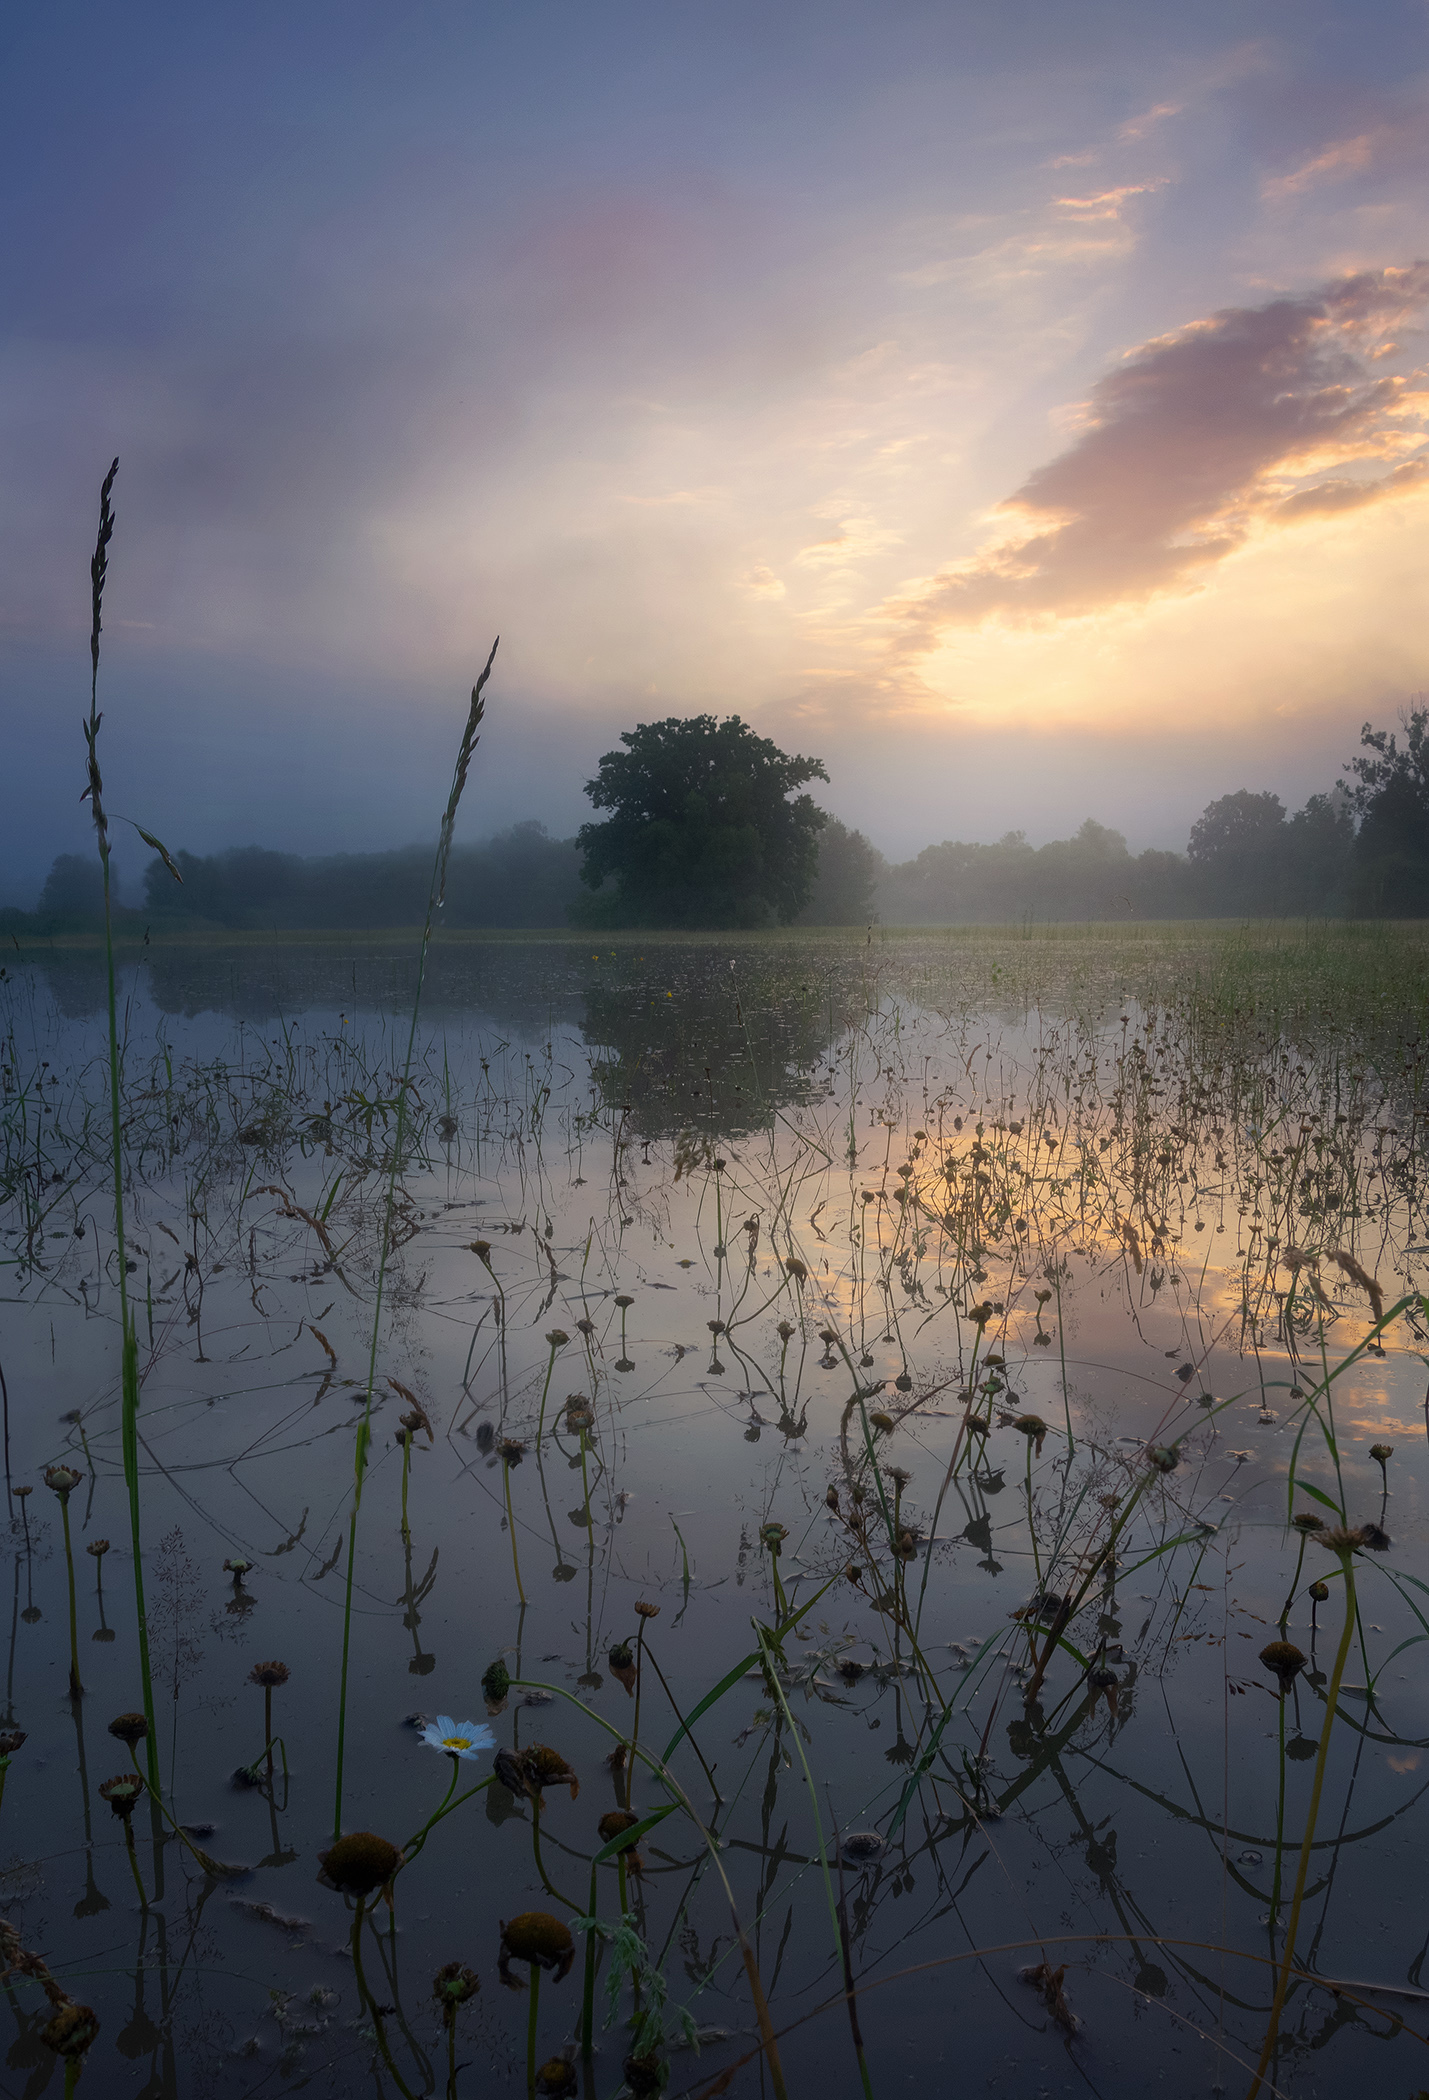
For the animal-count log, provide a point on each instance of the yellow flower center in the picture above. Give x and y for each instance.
(456, 1742)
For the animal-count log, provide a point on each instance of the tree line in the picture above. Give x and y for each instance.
(707, 824)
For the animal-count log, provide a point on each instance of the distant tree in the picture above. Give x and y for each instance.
(702, 831)
(1391, 798)
(1236, 849)
(73, 894)
(848, 872)
(1319, 851)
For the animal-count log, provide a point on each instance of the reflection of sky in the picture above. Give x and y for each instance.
(718, 359)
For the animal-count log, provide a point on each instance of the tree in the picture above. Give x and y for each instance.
(1236, 848)
(701, 830)
(1391, 798)
(848, 872)
(73, 894)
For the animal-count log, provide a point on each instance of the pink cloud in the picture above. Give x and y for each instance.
(1189, 442)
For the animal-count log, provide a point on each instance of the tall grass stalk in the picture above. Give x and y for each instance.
(435, 898)
(129, 1339)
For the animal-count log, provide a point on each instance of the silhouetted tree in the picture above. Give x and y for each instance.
(701, 830)
(1236, 849)
(73, 894)
(1391, 797)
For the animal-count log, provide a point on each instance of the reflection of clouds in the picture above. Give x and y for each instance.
(1188, 446)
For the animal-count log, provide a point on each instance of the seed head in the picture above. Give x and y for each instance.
(614, 1824)
(1319, 1591)
(64, 1480)
(557, 2080)
(539, 1939)
(1305, 1520)
(795, 1267)
(269, 1673)
(784, 1331)
(585, 1327)
(647, 1611)
(359, 1863)
(453, 1984)
(70, 2030)
(624, 1301)
(238, 1567)
(98, 1547)
(129, 1728)
(123, 1794)
(10, 1741)
(1381, 1452)
(558, 1337)
(1341, 1539)
(1285, 1661)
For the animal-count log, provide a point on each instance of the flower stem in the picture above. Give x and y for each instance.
(134, 1862)
(531, 2032)
(511, 1527)
(1307, 1842)
(76, 1689)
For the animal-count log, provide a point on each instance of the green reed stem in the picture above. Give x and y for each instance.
(435, 897)
(1307, 1842)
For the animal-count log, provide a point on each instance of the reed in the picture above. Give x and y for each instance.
(435, 897)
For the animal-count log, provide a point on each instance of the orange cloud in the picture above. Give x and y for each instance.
(1187, 446)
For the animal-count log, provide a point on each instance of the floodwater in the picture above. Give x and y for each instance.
(888, 1302)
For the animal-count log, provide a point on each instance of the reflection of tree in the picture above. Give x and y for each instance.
(693, 1042)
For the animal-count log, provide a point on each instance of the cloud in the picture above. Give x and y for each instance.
(1191, 442)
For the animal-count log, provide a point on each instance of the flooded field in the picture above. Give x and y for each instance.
(848, 1514)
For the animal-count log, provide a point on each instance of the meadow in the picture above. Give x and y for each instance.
(734, 1514)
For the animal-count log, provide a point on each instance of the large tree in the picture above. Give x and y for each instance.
(701, 831)
(1391, 799)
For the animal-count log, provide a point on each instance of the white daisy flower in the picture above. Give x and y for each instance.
(458, 1738)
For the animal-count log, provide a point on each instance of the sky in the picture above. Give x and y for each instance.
(1021, 408)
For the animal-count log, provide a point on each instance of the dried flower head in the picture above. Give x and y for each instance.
(359, 1863)
(557, 2080)
(538, 1939)
(1381, 1452)
(1285, 1662)
(614, 1823)
(63, 1479)
(129, 1728)
(557, 1337)
(10, 1741)
(1341, 1539)
(784, 1331)
(1305, 1520)
(511, 1450)
(98, 1547)
(1319, 1591)
(1375, 1537)
(453, 1984)
(238, 1567)
(773, 1536)
(795, 1268)
(586, 1327)
(1164, 1457)
(24, 1488)
(1033, 1428)
(579, 1412)
(268, 1673)
(70, 2030)
(123, 1794)
(624, 1300)
(646, 1611)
